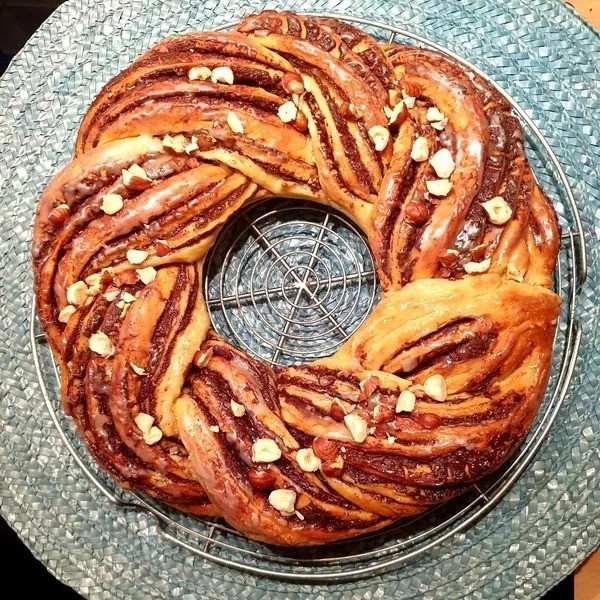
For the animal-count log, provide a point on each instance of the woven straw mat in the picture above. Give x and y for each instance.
(544, 55)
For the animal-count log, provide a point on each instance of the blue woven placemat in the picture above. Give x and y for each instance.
(539, 51)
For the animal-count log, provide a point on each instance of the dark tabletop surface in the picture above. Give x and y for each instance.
(18, 20)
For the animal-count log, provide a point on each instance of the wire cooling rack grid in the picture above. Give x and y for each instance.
(294, 284)
(289, 281)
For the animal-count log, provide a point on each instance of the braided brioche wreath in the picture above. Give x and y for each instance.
(432, 392)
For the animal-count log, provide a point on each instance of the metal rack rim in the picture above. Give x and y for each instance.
(576, 261)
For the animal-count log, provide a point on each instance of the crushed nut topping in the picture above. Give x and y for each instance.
(136, 257)
(199, 73)
(477, 267)
(406, 401)
(420, 149)
(357, 427)
(77, 293)
(100, 344)
(111, 203)
(287, 112)
(380, 137)
(439, 187)
(144, 422)
(442, 163)
(222, 75)
(284, 501)
(265, 450)
(307, 460)
(66, 313)
(147, 275)
(435, 387)
(237, 409)
(498, 210)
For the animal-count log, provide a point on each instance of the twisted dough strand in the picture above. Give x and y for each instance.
(435, 389)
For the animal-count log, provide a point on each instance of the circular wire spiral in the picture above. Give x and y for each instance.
(289, 284)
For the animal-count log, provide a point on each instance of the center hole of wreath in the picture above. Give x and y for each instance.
(289, 281)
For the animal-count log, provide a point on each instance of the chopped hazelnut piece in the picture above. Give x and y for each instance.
(112, 295)
(409, 101)
(135, 178)
(261, 479)
(442, 163)
(66, 313)
(222, 75)
(147, 275)
(380, 137)
(265, 450)
(354, 111)
(477, 267)
(498, 210)
(337, 410)
(287, 112)
(406, 401)
(416, 212)
(394, 96)
(234, 123)
(382, 414)
(125, 278)
(394, 114)
(191, 147)
(439, 187)
(199, 73)
(175, 144)
(137, 370)
(111, 203)
(153, 436)
(325, 449)
(284, 501)
(420, 149)
(77, 293)
(202, 359)
(237, 409)
(144, 422)
(369, 385)
(357, 427)
(292, 83)
(214, 428)
(307, 460)
(100, 344)
(435, 387)
(439, 125)
(59, 215)
(136, 257)
(333, 468)
(94, 290)
(434, 114)
(94, 278)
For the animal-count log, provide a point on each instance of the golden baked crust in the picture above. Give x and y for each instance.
(201, 125)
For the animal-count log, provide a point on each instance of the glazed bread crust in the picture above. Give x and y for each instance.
(438, 386)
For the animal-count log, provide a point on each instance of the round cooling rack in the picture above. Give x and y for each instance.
(289, 284)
